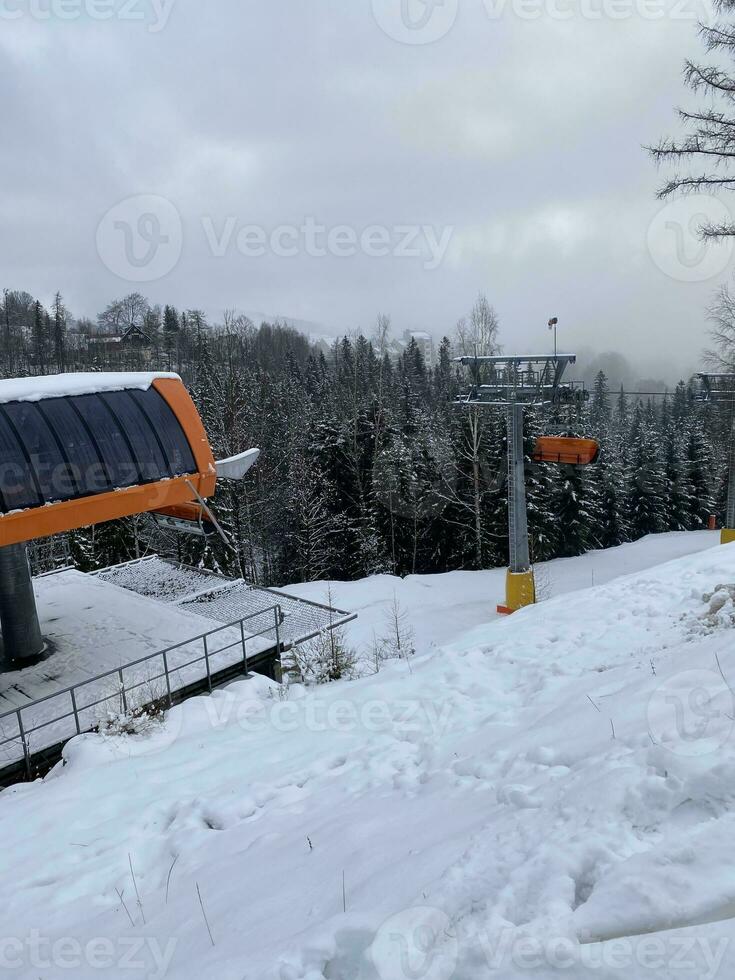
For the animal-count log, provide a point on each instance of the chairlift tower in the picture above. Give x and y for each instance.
(719, 389)
(513, 383)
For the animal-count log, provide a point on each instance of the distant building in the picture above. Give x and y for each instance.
(134, 338)
(424, 342)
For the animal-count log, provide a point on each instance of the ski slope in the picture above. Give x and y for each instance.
(440, 607)
(546, 794)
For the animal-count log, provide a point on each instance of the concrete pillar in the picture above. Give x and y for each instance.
(22, 639)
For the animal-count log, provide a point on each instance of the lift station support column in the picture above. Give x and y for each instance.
(520, 589)
(22, 639)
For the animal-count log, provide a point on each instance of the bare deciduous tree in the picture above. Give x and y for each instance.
(122, 314)
(478, 334)
(708, 145)
(721, 315)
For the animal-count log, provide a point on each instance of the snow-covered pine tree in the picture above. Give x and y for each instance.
(611, 525)
(646, 477)
(575, 508)
(600, 413)
(677, 484)
(313, 531)
(542, 484)
(698, 461)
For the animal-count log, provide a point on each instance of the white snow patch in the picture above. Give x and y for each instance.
(37, 388)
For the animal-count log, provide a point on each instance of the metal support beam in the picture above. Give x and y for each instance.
(22, 639)
(517, 519)
(730, 513)
(530, 378)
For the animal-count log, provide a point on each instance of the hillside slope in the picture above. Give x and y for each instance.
(442, 606)
(550, 792)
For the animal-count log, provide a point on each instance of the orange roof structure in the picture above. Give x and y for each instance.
(80, 449)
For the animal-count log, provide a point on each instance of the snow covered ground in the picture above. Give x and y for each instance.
(441, 607)
(546, 794)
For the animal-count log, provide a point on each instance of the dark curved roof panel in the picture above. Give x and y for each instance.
(82, 449)
(67, 448)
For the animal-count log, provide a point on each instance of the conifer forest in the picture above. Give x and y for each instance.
(368, 463)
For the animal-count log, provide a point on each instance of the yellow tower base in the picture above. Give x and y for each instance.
(727, 535)
(520, 590)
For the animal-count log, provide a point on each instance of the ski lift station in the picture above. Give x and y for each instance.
(78, 450)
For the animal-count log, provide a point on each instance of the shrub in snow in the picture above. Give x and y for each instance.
(398, 639)
(280, 692)
(323, 659)
(132, 712)
(135, 723)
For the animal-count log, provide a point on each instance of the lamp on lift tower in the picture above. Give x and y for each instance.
(553, 324)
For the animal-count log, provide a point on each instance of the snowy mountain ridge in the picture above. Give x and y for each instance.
(547, 793)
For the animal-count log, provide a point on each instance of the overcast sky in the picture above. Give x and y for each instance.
(333, 159)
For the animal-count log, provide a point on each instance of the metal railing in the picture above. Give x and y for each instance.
(123, 694)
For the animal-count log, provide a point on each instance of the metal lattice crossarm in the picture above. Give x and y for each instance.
(532, 379)
(718, 388)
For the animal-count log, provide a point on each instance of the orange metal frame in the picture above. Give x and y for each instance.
(40, 522)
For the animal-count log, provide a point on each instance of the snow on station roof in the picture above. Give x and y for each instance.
(82, 437)
(61, 385)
